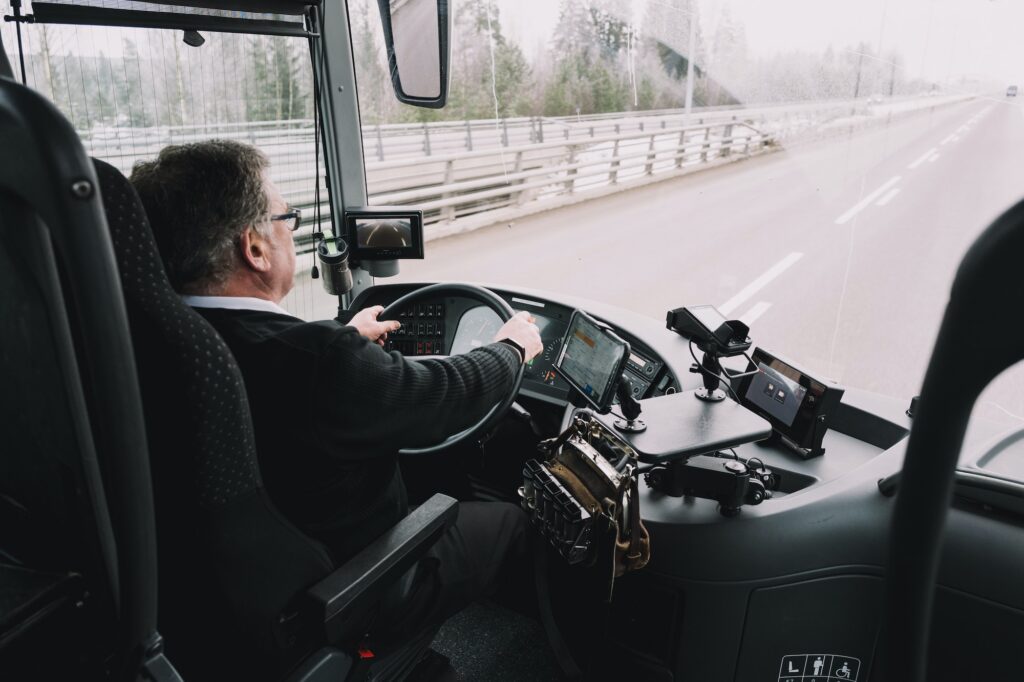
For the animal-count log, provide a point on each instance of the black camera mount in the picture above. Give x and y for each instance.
(630, 407)
(708, 330)
(728, 480)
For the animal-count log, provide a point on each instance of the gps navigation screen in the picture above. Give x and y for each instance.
(591, 360)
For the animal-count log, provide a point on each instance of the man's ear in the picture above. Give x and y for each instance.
(255, 250)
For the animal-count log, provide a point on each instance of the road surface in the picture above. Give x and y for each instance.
(839, 253)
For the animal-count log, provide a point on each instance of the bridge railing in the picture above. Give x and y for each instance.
(407, 140)
(453, 186)
(471, 167)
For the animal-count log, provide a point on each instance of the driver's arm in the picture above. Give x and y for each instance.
(379, 402)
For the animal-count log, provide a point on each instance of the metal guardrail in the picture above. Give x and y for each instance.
(461, 182)
(472, 182)
(414, 140)
(456, 169)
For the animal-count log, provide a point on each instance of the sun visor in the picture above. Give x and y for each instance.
(248, 9)
(295, 7)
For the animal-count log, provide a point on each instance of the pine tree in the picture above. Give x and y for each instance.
(591, 74)
(130, 87)
(260, 93)
(376, 97)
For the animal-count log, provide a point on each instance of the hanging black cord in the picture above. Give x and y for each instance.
(317, 229)
(725, 379)
(16, 6)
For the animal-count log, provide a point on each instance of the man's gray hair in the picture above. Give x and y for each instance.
(199, 199)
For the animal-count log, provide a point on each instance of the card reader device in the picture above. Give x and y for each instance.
(797, 405)
(708, 330)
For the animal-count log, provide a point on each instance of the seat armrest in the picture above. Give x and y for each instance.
(326, 665)
(339, 601)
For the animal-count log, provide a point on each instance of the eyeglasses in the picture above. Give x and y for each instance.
(292, 219)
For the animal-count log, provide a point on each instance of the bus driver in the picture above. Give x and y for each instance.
(330, 407)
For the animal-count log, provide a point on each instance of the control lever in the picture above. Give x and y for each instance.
(524, 415)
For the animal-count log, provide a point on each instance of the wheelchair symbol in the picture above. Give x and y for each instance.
(844, 672)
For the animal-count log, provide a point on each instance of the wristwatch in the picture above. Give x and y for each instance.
(519, 349)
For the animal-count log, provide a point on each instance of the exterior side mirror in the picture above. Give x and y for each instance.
(416, 34)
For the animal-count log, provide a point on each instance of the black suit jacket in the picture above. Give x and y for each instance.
(331, 410)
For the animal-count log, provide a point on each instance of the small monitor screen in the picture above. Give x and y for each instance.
(384, 233)
(798, 405)
(592, 359)
(776, 394)
(393, 233)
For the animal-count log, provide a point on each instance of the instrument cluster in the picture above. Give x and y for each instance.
(451, 326)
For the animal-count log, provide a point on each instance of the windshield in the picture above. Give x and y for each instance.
(129, 92)
(814, 169)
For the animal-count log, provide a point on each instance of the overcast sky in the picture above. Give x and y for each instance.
(938, 39)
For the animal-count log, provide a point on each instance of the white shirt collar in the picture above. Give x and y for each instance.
(235, 303)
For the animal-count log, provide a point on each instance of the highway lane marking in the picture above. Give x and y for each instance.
(759, 283)
(952, 137)
(866, 201)
(922, 159)
(888, 197)
(756, 311)
(933, 158)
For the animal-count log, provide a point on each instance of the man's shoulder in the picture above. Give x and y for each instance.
(265, 327)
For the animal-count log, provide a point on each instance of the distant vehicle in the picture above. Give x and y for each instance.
(1011, 91)
(875, 99)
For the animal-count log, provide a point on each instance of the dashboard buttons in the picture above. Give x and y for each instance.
(422, 331)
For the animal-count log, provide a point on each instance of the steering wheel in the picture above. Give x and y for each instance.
(504, 311)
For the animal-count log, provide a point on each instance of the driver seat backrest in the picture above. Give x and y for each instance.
(230, 564)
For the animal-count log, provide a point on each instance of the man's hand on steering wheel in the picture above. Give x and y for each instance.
(528, 338)
(522, 330)
(365, 321)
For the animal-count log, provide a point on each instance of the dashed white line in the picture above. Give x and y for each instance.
(756, 311)
(933, 158)
(922, 159)
(949, 138)
(888, 197)
(759, 283)
(866, 201)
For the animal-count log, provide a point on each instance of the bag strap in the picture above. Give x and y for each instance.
(558, 646)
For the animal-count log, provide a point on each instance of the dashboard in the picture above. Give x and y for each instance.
(723, 583)
(454, 325)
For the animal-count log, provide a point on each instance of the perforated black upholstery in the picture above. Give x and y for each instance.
(212, 382)
(229, 563)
